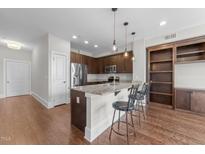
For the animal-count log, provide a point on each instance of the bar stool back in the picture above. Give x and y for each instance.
(140, 97)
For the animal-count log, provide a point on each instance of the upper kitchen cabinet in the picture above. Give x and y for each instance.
(72, 57)
(83, 59)
(100, 65)
(92, 65)
(76, 58)
(128, 63)
(97, 65)
(123, 63)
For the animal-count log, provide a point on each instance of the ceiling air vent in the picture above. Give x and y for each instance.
(170, 36)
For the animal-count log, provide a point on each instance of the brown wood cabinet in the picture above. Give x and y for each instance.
(97, 65)
(100, 65)
(190, 99)
(78, 109)
(124, 64)
(160, 70)
(161, 74)
(198, 101)
(87, 60)
(183, 99)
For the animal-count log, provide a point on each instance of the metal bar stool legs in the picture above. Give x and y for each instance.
(133, 124)
(112, 124)
(119, 120)
(139, 115)
(127, 124)
(127, 128)
(143, 111)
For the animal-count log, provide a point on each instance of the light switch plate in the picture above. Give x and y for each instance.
(78, 100)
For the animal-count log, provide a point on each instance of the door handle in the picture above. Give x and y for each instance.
(7, 82)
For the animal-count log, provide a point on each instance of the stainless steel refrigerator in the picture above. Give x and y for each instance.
(78, 74)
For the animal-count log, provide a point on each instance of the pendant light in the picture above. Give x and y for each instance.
(114, 47)
(133, 34)
(125, 24)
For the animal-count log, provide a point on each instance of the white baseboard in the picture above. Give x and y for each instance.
(92, 134)
(41, 100)
(69, 100)
(1, 96)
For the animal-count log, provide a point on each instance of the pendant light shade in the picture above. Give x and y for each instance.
(133, 34)
(114, 46)
(125, 24)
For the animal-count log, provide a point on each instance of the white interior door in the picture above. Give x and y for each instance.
(17, 78)
(59, 88)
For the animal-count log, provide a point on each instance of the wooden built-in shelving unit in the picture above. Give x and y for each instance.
(189, 53)
(161, 60)
(160, 73)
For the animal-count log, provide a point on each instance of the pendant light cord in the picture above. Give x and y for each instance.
(126, 24)
(126, 37)
(133, 39)
(114, 26)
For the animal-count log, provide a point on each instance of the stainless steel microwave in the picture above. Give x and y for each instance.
(111, 69)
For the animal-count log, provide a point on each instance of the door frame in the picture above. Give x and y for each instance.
(5, 60)
(53, 53)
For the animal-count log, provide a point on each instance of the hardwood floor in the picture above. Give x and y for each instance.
(25, 121)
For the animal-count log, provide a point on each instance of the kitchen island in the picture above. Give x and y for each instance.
(91, 106)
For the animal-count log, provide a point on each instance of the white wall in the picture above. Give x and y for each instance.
(120, 50)
(11, 54)
(59, 45)
(139, 64)
(82, 52)
(190, 76)
(39, 69)
(180, 35)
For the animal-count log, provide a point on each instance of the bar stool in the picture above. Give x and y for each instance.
(128, 106)
(139, 98)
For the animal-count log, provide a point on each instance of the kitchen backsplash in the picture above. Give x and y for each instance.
(104, 77)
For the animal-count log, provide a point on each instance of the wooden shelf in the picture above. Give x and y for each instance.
(158, 82)
(160, 93)
(190, 53)
(191, 61)
(161, 61)
(160, 71)
(160, 74)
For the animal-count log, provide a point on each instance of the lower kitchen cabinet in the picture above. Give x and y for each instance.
(190, 99)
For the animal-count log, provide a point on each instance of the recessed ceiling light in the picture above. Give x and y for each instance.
(74, 37)
(162, 23)
(13, 44)
(86, 42)
(96, 46)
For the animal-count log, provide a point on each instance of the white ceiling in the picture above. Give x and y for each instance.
(94, 25)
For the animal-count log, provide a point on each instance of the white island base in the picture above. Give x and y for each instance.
(99, 112)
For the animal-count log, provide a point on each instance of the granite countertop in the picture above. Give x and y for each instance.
(102, 89)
